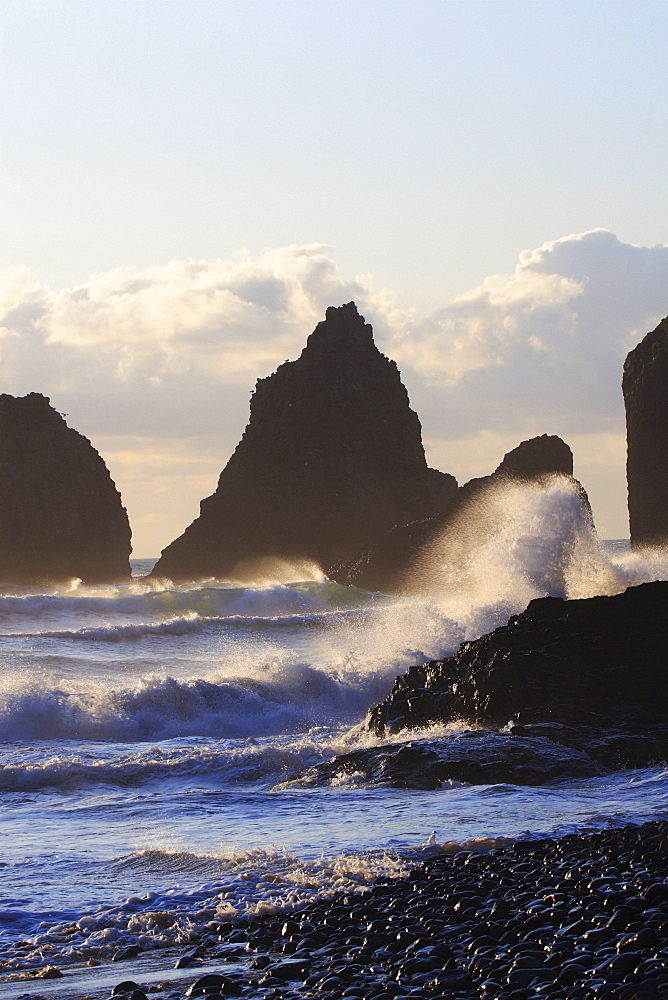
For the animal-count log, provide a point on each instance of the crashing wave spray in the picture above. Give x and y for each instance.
(515, 541)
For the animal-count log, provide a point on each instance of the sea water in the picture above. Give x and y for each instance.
(152, 736)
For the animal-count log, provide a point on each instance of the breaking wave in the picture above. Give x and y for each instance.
(517, 541)
(225, 761)
(297, 698)
(141, 600)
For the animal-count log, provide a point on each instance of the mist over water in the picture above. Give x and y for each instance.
(152, 731)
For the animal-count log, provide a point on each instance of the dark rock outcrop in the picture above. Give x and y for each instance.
(567, 689)
(645, 388)
(60, 514)
(539, 456)
(476, 757)
(598, 662)
(331, 457)
(388, 564)
(533, 754)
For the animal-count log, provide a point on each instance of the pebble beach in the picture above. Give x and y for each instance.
(581, 916)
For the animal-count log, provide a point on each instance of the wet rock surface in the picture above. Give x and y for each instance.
(645, 388)
(597, 669)
(533, 754)
(60, 511)
(583, 916)
(524, 757)
(331, 457)
(395, 560)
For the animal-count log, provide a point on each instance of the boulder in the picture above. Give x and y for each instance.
(545, 455)
(533, 754)
(60, 513)
(645, 388)
(332, 456)
(388, 564)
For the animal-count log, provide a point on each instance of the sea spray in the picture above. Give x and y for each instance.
(515, 541)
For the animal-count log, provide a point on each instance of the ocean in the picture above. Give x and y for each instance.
(152, 737)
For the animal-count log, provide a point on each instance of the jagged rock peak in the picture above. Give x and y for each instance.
(60, 513)
(340, 355)
(539, 456)
(332, 455)
(33, 406)
(343, 329)
(645, 388)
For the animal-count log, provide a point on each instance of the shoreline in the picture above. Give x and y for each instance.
(585, 915)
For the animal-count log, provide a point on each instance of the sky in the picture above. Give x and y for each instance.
(186, 186)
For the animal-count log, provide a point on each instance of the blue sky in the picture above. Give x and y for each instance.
(423, 147)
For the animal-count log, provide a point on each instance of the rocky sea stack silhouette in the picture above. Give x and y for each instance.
(332, 457)
(60, 513)
(645, 388)
(389, 562)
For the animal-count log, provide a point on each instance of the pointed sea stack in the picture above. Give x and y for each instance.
(331, 457)
(60, 514)
(645, 388)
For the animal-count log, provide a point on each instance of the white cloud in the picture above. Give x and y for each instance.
(172, 352)
(163, 349)
(544, 345)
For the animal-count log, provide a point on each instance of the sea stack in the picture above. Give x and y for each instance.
(332, 457)
(60, 513)
(547, 455)
(389, 562)
(645, 388)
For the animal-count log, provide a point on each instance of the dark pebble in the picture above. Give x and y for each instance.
(187, 962)
(124, 953)
(207, 985)
(127, 986)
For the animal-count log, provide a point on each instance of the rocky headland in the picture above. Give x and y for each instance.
(331, 457)
(566, 689)
(645, 388)
(61, 515)
(393, 561)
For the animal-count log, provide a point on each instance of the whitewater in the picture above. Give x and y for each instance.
(152, 736)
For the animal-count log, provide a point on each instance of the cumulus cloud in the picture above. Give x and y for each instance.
(172, 352)
(541, 347)
(220, 317)
(165, 349)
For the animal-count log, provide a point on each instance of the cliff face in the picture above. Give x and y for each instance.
(387, 563)
(645, 388)
(331, 457)
(60, 513)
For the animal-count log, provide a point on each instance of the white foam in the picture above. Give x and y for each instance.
(228, 761)
(238, 884)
